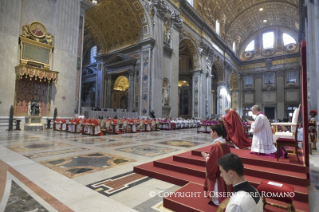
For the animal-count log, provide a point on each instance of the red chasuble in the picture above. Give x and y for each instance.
(236, 131)
(212, 171)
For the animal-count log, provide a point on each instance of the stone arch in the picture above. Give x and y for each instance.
(218, 68)
(191, 46)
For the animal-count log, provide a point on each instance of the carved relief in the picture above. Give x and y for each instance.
(177, 21)
(233, 81)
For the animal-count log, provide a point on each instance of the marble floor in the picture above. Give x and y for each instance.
(58, 171)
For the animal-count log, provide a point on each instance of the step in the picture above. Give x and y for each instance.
(290, 177)
(170, 176)
(200, 203)
(179, 178)
(190, 169)
(283, 164)
(188, 157)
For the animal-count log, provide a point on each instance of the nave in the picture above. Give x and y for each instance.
(58, 171)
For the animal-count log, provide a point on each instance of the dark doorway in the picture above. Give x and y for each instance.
(270, 112)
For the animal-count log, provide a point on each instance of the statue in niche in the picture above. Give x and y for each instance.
(35, 107)
(168, 36)
(165, 93)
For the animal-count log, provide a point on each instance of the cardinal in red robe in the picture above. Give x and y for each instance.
(236, 131)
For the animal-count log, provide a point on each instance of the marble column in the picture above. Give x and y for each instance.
(156, 75)
(174, 66)
(85, 5)
(258, 90)
(108, 79)
(131, 90)
(280, 79)
(100, 84)
(240, 95)
(146, 94)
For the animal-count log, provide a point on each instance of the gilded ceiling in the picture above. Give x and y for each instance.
(116, 24)
(245, 17)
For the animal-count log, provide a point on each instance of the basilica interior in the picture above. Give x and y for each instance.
(187, 59)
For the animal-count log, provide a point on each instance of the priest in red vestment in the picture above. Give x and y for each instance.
(235, 130)
(214, 184)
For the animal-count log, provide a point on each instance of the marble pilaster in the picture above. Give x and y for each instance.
(258, 90)
(197, 90)
(156, 75)
(280, 110)
(108, 80)
(9, 47)
(146, 95)
(131, 90)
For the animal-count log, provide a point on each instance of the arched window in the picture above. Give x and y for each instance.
(234, 46)
(288, 39)
(268, 40)
(191, 2)
(250, 46)
(217, 27)
(93, 54)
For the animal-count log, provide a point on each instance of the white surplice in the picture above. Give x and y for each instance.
(262, 140)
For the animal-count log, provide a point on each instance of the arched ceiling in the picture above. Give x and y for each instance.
(243, 17)
(115, 24)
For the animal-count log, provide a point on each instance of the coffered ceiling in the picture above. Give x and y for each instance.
(115, 24)
(245, 17)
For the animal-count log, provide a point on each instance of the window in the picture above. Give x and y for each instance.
(291, 77)
(191, 2)
(268, 40)
(250, 46)
(269, 78)
(249, 81)
(288, 39)
(217, 27)
(234, 46)
(93, 54)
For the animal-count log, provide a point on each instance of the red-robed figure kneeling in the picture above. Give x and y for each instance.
(235, 130)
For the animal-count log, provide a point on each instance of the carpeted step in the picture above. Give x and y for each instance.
(186, 168)
(191, 198)
(290, 163)
(166, 175)
(189, 158)
(290, 177)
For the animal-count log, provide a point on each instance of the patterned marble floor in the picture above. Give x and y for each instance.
(58, 171)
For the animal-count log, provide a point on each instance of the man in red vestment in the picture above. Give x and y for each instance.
(214, 184)
(235, 130)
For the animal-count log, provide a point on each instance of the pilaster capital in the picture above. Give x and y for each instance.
(177, 21)
(160, 8)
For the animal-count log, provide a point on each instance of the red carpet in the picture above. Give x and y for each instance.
(188, 170)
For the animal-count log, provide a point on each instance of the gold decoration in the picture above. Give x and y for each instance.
(121, 83)
(36, 73)
(233, 82)
(37, 31)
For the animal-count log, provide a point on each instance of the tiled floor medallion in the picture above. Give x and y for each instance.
(37, 146)
(147, 150)
(20, 200)
(85, 164)
(180, 143)
(116, 184)
(43, 154)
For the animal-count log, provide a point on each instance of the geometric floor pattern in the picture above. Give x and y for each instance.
(116, 184)
(60, 171)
